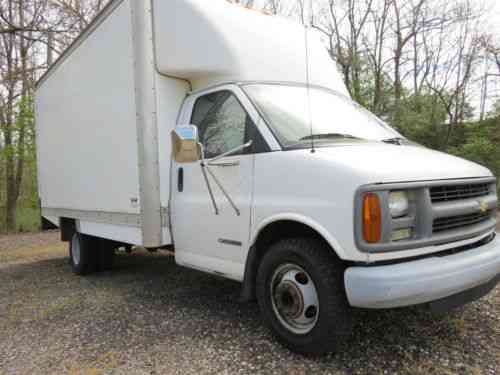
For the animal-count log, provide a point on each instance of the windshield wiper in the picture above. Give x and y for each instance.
(398, 141)
(328, 136)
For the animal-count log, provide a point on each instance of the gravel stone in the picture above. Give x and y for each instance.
(150, 316)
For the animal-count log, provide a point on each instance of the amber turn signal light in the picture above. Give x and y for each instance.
(372, 218)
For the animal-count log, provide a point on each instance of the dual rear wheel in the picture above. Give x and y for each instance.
(90, 254)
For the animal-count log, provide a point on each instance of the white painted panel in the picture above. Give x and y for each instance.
(120, 233)
(213, 41)
(170, 96)
(231, 270)
(53, 219)
(86, 124)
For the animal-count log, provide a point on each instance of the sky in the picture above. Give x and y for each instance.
(493, 26)
(494, 3)
(495, 20)
(496, 16)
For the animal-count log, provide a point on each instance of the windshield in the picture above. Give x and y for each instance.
(334, 117)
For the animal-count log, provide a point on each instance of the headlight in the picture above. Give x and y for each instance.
(399, 204)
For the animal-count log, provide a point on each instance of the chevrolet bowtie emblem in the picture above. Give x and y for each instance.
(483, 206)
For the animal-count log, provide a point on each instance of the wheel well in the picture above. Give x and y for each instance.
(268, 236)
(280, 230)
(68, 228)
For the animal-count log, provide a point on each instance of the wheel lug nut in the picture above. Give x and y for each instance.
(311, 312)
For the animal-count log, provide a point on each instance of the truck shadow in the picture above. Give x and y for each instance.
(149, 299)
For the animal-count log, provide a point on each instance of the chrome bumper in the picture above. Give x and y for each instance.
(422, 281)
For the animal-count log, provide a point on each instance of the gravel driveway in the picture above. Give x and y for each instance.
(149, 316)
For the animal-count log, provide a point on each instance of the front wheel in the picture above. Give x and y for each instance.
(300, 291)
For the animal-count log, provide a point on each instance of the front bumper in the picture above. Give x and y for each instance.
(422, 281)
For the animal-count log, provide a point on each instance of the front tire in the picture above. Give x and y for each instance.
(83, 254)
(300, 290)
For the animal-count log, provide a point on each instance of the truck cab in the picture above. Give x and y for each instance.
(287, 195)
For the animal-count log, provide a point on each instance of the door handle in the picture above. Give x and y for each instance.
(225, 165)
(180, 180)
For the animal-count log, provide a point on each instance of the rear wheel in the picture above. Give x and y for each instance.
(83, 254)
(105, 255)
(300, 291)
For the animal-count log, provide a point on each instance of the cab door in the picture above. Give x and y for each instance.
(211, 206)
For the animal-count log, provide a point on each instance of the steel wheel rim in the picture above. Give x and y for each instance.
(75, 250)
(294, 298)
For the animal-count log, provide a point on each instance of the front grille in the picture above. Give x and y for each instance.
(455, 222)
(457, 192)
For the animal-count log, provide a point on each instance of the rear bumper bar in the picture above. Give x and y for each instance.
(423, 281)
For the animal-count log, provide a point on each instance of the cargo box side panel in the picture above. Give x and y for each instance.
(86, 124)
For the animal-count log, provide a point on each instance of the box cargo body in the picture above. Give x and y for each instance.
(106, 108)
(103, 131)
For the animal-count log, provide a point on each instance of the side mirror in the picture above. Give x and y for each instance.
(185, 148)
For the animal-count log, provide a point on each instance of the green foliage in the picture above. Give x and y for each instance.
(22, 147)
(496, 109)
(481, 144)
(27, 219)
(364, 90)
(422, 119)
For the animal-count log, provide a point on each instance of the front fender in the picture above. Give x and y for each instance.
(334, 244)
(252, 261)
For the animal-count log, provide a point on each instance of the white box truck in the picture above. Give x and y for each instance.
(228, 137)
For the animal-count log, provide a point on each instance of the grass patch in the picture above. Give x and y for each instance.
(27, 219)
(33, 253)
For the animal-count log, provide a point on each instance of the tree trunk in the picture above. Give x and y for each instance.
(398, 87)
(10, 207)
(23, 51)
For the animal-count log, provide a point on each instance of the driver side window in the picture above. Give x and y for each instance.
(222, 122)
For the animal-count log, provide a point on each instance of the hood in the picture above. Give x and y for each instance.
(386, 163)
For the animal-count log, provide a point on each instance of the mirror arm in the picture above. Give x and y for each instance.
(231, 202)
(202, 152)
(230, 152)
(207, 182)
(206, 167)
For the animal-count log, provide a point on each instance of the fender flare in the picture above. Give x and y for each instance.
(248, 287)
(301, 219)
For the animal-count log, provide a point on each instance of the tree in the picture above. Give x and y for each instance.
(491, 47)
(481, 144)
(376, 53)
(496, 109)
(29, 27)
(494, 52)
(344, 23)
(407, 25)
(245, 3)
(15, 77)
(423, 121)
